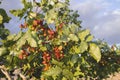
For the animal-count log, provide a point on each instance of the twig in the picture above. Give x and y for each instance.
(4, 71)
(18, 72)
(22, 76)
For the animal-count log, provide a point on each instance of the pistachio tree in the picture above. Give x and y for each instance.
(51, 44)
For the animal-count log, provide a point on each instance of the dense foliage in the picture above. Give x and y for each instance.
(51, 45)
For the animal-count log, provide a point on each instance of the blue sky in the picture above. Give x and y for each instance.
(102, 17)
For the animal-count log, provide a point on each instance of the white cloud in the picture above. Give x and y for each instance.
(108, 28)
(102, 17)
(90, 10)
(116, 12)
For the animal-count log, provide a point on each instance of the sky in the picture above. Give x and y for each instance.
(102, 17)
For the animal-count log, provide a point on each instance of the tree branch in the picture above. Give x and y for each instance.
(4, 71)
(22, 76)
(18, 72)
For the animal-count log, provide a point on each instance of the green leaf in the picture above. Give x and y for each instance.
(54, 71)
(59, 5)
(56, 41)
(43, 2)
(118, 52)
(24, 2)
(73, 28)
(11, 37)
(74, 58)
(3, 51)
(32, 15)
(4, 33)
(63, 38)
(68, 74)
(64, 78)
(89, 38)
(43, 48)
(18, 36)
(21, 42)
(95, 51)
(83, 34)
(73, 37)
(32, 39)
(17, 13)
(51, 16)
(66, 31)
(77, 73)
(76, 49)
(4, 15)
(80, 48)
(21, 12)
(26, 66)
(1, 19)
(83, 47)
(57, 63)
(15, 52)
(30, 57)
(9, 59)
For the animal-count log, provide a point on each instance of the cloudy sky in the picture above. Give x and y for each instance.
(102, 17)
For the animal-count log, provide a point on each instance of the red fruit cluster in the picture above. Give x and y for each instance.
(36, 24)
(58, 52)
(48, 33)
(23, 54)
(51, 34)
(26, 50)
(46, 60)
(59, 26)
(23, 25)
(31, 49)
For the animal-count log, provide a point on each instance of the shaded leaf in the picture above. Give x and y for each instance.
(95, 51)
(1, 19)
(83, 34)
(3, 51)
(83, 47)
(66, 31)
(73, 37)
(4, 15)
(73, 28)
(74, 59)
(76, 49)
(4, 33)
(32, 39)
(80, 48)
(17, 13)
(68, 74)
(89, 38)
(54, 71)
(57, 63)
(77, 73)
(50, 17)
